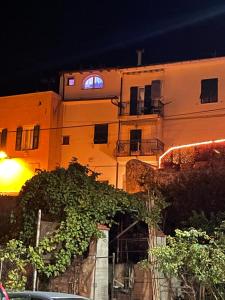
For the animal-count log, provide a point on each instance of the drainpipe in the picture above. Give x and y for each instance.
(63, 87)
(119, 128)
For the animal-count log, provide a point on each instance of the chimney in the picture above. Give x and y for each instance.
(139, 56)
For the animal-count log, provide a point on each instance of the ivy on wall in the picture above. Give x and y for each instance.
(78, 202)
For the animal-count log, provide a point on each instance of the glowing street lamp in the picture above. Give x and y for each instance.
(3, 155)
(14, 172)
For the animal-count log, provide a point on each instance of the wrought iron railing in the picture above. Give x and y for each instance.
(155, 108)
(139, 147)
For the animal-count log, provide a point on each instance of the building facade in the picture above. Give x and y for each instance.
(111, 116)
(107, 117)
(30, 135)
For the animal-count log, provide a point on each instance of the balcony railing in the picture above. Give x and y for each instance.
(143, 147)
(156, 108)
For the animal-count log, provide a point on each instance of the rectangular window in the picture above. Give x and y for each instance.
(65, 140)
(209, 90)
(101, 134)
(3, 137)
(70, 81)
(140, 100)
(27, 137)
(135, 140)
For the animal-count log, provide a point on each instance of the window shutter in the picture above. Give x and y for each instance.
(3, 137)
(19, 132)
(156, 89)
(36, 136)
(133, 100)
(148, 99)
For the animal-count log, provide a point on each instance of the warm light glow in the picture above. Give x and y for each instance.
(13, 174)
(187, 146)
(3, 155)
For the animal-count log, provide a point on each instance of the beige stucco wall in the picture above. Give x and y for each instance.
(186, 120)
(111, 82)
(79, 118)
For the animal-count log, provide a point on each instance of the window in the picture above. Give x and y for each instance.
(135, 140)
(93, 82)
(209, 90)
(141, 93)
(70, 81)
(101, 134)
(27, 137)
(140, 100)
(66, 140)
(3, 137)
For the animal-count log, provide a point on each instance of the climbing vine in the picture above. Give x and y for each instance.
(78, 202)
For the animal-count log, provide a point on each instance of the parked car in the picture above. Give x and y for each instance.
(3, 293)
(38, 295)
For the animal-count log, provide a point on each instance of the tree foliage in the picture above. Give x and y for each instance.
(197, 260)
(74, 199)
(194, 193)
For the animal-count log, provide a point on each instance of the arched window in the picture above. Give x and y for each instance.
(93, 82)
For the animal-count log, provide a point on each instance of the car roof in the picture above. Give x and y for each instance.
(45, 295)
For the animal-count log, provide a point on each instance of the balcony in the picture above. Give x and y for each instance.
(142, 147)
(156, 108)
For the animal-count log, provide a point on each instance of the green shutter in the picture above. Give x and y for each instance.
(19, 133)
(36, 136)
(3, 137)
(133, 100)
(148, 100)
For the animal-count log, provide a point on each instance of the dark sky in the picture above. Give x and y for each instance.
(41, 38)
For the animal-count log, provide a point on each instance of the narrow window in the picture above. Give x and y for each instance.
(209, 90)
(135, 140)
(65, 140)
(101, 134)
(27, 138)
(3, 137)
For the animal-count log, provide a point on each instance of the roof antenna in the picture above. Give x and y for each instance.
(139, 56)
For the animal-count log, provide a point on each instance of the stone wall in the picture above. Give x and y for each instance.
(139, 173)
(136, 172)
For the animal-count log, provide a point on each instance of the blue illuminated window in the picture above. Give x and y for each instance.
(93, 82)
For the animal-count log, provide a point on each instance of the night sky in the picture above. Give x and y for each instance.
(41, 38)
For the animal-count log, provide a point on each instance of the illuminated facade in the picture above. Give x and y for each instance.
(111, 116)
(107, 117)
(108, 123)
(90, 120)
(30, 135)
